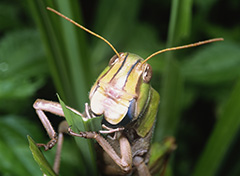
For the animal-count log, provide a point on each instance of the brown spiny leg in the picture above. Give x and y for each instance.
(62, 128)
(55, 108)
(142, 168)
(124, 162)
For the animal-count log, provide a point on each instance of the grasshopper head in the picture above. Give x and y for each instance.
(117, 91)
(122, 91)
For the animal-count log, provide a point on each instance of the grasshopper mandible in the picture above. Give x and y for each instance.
(123, 95)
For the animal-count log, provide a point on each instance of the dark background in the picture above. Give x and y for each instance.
(41, 55)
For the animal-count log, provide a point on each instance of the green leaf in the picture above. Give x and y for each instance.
(221, 138)
(180, 19)
(54, 49)
(86, 147)
(40, 159)
(110, 17)
(160, 153)
(172, 88)
(66, 49)
(22, 67)
(9, 16)
(203, 68)
(76, 57)
(21, 45)
(170, 104)
(15, 156)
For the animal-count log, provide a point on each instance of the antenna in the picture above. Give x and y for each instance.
(85, 29)
(182, 47)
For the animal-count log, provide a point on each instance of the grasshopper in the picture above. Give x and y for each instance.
(122, 94)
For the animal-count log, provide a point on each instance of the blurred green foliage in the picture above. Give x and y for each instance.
(199, 87)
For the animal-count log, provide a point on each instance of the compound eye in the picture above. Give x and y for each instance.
(147, 74)
(113, 60)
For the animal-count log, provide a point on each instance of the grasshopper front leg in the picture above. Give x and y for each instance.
(42, 106)
(125, 161)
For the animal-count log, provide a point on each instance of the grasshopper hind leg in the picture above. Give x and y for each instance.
(141, 167)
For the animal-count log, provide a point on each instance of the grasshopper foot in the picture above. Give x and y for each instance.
(50, 144)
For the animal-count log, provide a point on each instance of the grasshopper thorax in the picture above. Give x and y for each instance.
(116, 92)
